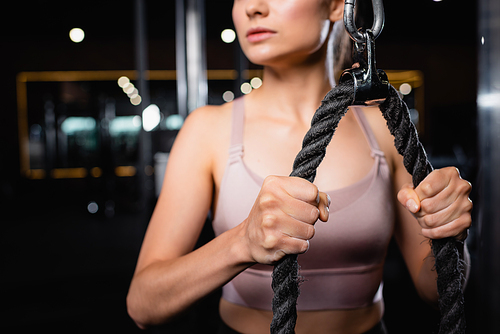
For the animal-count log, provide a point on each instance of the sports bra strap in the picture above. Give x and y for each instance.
(237, 125)
(238, 121)
(365, 127)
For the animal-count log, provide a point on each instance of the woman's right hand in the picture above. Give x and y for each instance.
(282, 218)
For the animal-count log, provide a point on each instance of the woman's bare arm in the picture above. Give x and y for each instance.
(169, 276)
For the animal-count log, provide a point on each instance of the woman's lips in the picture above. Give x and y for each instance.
(259, 34)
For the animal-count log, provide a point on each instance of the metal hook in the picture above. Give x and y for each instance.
(371, 86)
(350, 25)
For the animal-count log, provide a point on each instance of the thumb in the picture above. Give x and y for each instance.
(409, 198)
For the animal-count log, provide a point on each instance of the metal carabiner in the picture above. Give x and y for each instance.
(371, 86)
(350, 25)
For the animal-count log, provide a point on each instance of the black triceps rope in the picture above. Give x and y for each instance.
(286, 279)
(285, 282)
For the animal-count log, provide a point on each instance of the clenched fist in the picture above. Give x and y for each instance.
(282, 218)
(440, 203)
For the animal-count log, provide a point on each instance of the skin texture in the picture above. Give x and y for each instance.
(170, 276)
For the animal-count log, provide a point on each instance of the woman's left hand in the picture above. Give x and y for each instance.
(440, 203)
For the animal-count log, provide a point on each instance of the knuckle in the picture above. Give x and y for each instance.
(270, 181)
(427, 206)
(426, 188)
(267, 200)
(442, 172)
(450, 171)
(268, 221)
(429, 220)
(270, 242)
(465, 187)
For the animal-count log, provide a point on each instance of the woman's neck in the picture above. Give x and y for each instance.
(296, 91)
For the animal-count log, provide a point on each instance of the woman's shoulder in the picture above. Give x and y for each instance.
(208, 122)
(207, 128)
(210, 116)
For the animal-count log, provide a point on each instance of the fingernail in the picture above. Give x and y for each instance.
(329, 201)
(411, 205)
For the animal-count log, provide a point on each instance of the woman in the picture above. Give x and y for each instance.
(234, 158)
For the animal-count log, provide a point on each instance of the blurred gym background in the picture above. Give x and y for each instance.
(93, 94)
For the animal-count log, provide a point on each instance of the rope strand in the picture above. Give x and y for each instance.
(448, 265)
(286, 280)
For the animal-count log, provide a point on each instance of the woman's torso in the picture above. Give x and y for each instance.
(346, 253)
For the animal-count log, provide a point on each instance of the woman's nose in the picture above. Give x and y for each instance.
(256, 8)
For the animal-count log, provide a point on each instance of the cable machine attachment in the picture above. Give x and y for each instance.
(371, 86)
(350, 25)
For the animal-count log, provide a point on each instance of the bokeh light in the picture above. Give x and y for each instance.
(246, 88)
(76, 35)
(228, 35)
(256, 82)
(405, 89)
(228, 96)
